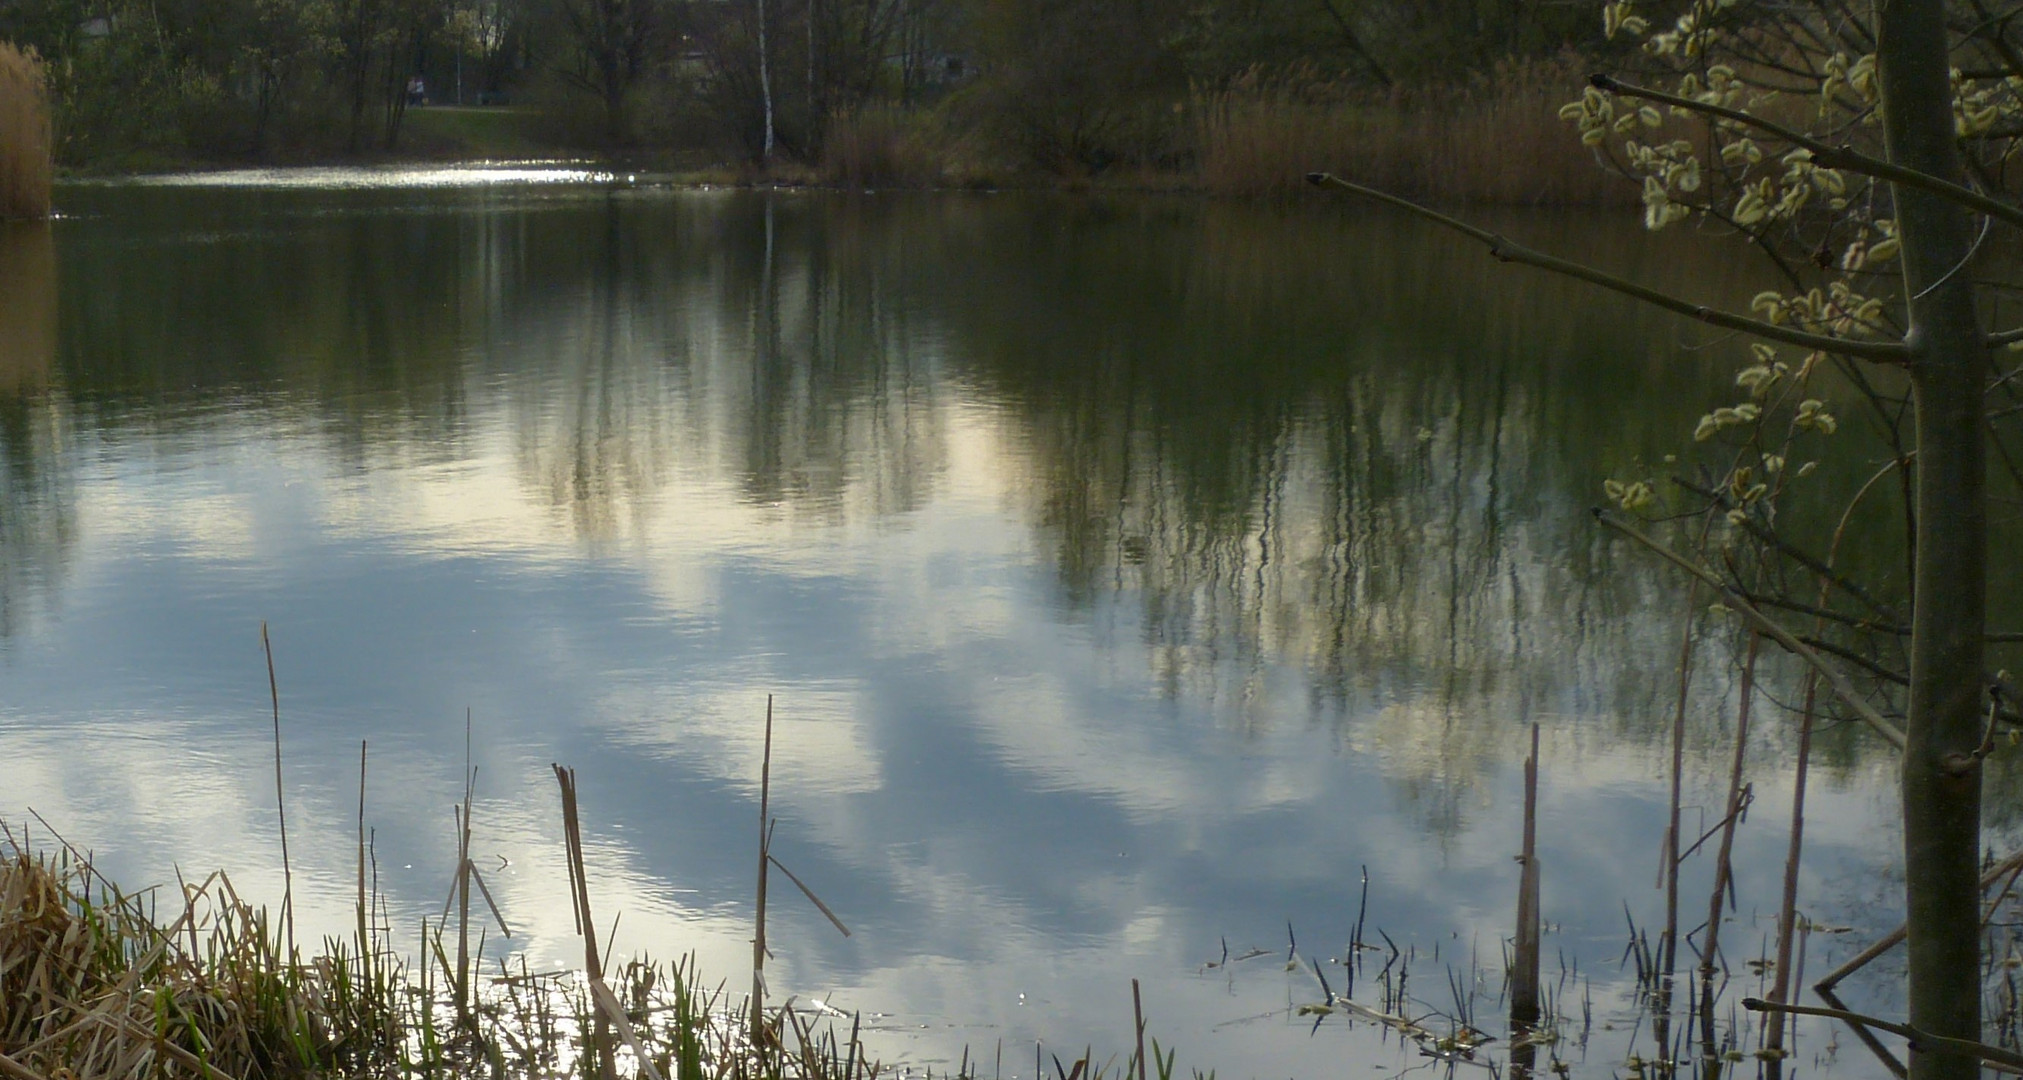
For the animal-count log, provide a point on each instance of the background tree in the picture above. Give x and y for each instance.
(610, 43)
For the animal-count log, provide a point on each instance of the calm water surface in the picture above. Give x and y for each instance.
(1128, 575)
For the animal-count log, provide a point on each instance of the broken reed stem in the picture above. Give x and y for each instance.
(1138, 1026)
(1524, 1006)
(758, 1006)
(1524, 1009)
(280, 807)
(579, 894)
(1723, 865)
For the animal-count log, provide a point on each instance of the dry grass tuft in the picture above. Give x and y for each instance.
(91, 986)
(1495, 141)
(24, 135)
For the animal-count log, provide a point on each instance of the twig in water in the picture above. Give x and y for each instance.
(1919, 1040)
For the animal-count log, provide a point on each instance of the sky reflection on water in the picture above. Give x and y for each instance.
(1129, 576)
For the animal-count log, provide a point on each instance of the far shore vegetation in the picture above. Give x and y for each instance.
(1441, 99)
(24, 136)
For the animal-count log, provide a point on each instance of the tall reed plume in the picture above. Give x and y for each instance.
(24, 135)
(1497, 140)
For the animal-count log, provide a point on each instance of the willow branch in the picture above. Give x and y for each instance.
(1872, 667)
(1833, 157)
(1824, 570)
(1920, 1040)
(1507, 250)
(1835, 678)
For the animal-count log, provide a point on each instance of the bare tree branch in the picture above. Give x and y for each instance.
(1835, 678)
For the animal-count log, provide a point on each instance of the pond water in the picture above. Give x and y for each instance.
(1129, 576)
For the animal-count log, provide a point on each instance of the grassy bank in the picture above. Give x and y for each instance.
(97, 982)
(473, 132)
(24, 136)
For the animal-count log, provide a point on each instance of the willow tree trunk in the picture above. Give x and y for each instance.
(1941, 771)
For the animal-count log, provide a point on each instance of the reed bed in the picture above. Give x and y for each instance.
(1496, 140)
(24, 135)
(879, 147)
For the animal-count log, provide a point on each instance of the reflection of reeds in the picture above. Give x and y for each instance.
(24, 135)
(27, 306)
(1498, 140)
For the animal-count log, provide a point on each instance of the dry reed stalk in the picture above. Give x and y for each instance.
(463, 885)
(579, 896)
(758, 1005)
(24, 135)
(1738, 797)
(361, 833)
(1787, 911)
(280, 807)
(1138, 1027)
(1524, 1009)
(1668, 941)
(1524, 1006)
